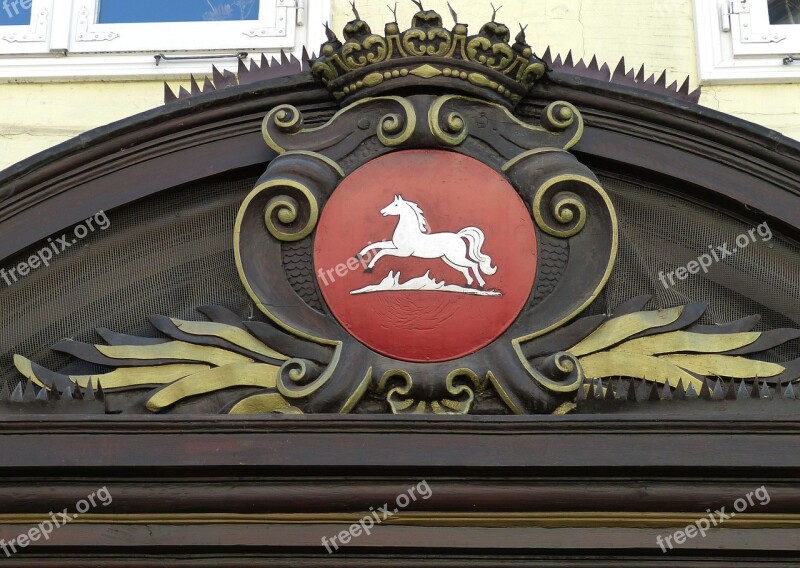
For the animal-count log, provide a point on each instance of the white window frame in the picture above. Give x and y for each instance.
(30, 39)
(737, 44)
(66, 44)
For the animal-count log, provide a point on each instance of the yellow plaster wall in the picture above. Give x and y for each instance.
(34, 117)
(775, 106)
(662, 38)
(658, 33)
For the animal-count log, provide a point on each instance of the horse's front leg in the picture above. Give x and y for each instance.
(374, 246)
(381, 254)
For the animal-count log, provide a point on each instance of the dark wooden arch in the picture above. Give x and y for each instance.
(531, 491)
(658, 137)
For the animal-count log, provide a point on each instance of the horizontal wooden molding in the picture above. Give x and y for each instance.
(577, 519)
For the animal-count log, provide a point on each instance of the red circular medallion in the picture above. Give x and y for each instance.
(425, 255)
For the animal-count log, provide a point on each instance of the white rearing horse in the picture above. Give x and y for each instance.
(412, 239)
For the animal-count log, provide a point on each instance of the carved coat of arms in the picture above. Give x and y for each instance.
(426, 250)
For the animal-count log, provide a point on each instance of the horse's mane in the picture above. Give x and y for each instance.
(423, 224)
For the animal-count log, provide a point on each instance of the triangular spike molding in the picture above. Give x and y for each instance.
(653, 394)
(730, 390)
(610, 390)
(705, 391)
(169, 95)
(719, 391)
(742, 392)
(29, 392)
(16, 396)
(631, 395)
(680, 392)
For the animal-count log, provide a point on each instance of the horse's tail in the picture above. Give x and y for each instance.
(476, 237)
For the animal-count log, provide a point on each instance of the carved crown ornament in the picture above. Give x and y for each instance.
(484, 64)
(424, 251)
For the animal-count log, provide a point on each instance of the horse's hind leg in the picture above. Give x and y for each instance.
(462, 269)
(477, 270)
(475, 267)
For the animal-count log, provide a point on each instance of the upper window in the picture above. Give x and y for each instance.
(146, 11)
(16, 15)
(124, 37)
(24, 26)
(783, 12)
(748, 40)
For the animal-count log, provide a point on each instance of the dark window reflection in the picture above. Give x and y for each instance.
(152, 11)
(784, 12)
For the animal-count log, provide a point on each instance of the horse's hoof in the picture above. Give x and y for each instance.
(367, 270)
(481, 287)
(358, 256)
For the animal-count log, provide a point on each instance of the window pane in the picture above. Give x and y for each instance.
(15, 13)
(784, 12)
(150, 11)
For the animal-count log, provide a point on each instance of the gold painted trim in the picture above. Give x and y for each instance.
(312, 387)
(264, 404)
(576, 115)
(619, 329)
(426, 72)
(459, 129)
(519, 157)
(603, 281)
(503, 394)
(273, 114)
(458, 390)
(179, 350)
(564, 409)
(517, 343)
(124, 377)
(398, 391)
(214, 380)
(334, 165)
(711, 365)
(687, 342)
(391, 123)
(354, 398)
(234, 335)
(561, 213)
(275, 231)
(653, 369)
(412, 121)
(237, 230)
(508, 113)
(566, 519)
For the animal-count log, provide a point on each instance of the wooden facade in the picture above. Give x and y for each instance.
(520, 480)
